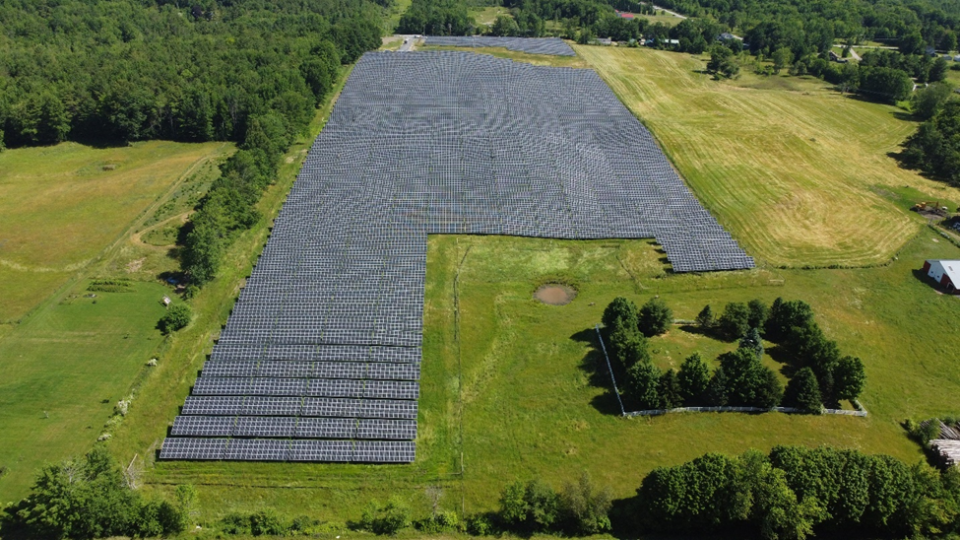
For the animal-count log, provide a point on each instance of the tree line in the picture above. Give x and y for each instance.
(821, 375)
(791, 493)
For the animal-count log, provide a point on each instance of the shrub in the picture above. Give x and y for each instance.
(654, 317)
(480, 525)
(443, 521)
(734, 322)
(530, 508)
(267, 522)
(387, 519)
(176, 318)
(803, 392)
(584, 509)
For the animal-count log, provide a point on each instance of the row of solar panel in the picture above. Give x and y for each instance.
(299, 406)
(320, 370)
(292, 427)
(208, 385)
(201, 449)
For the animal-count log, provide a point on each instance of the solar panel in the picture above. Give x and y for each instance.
(320, 358)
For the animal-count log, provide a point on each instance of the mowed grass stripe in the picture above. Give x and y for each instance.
(785, 164)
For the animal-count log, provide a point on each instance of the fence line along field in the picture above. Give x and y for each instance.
(63, 205)
(786, 164)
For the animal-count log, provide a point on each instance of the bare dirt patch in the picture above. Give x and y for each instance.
(555, 295)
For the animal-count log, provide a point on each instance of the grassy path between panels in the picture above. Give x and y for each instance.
(789, 166)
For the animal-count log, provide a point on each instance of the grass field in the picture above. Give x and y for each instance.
(63, 370)
(64, 205)
(787, 165)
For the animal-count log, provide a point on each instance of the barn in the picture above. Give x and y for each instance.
(946, 273)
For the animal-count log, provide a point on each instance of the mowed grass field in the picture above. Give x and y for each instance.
(63, 205)
(789, 166)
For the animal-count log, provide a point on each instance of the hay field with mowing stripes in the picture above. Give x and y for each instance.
(785, 164)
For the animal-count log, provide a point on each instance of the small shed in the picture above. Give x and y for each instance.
(945, 273)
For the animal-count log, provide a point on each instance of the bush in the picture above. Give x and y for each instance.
(734, 322)
(267, 522)
(444, 521)
(529, 508)
(387, 519)
(584, 509)
(654, 317)
(480, 525)
(176, 318)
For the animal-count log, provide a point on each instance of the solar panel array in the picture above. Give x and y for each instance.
(552, 46)
(320, 359)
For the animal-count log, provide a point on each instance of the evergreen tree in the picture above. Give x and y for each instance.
(848, 378)
(654, 317)
(752, 341)
(669, 390)
(622, 309)
(716, 395)
(759, 312)
(693, 378)
(705, 318)
(734, 322)
(803, 392)
(643, 385)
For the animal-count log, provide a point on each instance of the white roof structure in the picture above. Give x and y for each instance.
(950, 267)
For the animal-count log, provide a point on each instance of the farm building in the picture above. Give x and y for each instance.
(946, 273)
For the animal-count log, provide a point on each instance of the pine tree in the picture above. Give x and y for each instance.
(644, 382)
(669, 390)
(803, 392)
(705, 319)
(693, 378)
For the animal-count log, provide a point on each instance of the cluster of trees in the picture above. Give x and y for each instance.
(437, 18)
(935, 147)
(821, 375)
(131, 70)
(578, 509)
(90, 497)
(796, 492)
(808, 27)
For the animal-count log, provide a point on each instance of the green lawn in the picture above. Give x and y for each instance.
(63, 370)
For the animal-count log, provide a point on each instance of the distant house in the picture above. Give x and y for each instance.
(931, 51)
(726, 36)
(956, 58)
(944, 272)
(836, 58)
(605, 41)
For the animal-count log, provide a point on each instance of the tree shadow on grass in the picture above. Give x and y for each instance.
(594, 365)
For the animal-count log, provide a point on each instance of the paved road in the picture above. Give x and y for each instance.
(408, 43)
